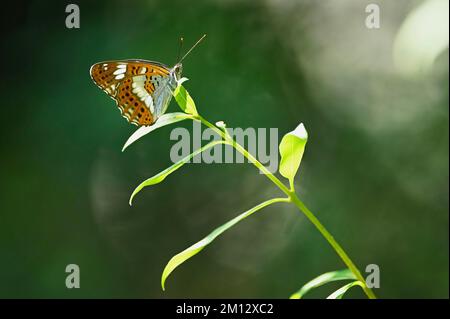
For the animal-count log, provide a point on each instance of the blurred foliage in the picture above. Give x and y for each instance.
(375, 172)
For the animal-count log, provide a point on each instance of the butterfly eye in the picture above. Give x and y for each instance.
(178, 69)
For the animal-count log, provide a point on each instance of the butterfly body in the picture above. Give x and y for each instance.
(142, 89)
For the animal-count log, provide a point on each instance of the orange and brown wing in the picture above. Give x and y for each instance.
(131, 84)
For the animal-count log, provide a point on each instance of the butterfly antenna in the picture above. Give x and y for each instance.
(179, 49)
(192, 48)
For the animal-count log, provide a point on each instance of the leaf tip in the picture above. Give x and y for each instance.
(164, 276)
(182, 80)
(300, 132)
(221, 124)
(130, 201)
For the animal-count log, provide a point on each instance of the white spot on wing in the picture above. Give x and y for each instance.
(139, 78)
(140, 92)
(138, 86)
(119, 71)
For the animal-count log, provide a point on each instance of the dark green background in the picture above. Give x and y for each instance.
(375, 171)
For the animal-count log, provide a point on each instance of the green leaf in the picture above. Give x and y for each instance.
(164, 120)
(338, 294)
(325, 278)
(158, 178)
(291, 148)
(180, 258)
(184, 99)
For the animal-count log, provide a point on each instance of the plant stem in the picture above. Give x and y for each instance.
(339, 250)
(297, 202)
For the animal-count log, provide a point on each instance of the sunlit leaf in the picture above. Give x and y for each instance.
(178, 259)
(338, 294)
(158, 178)
(325, 278)
(164, 120)
(291, 148)
(184, 99)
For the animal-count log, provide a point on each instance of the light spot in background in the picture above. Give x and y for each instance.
(422, 37)
(351, 70)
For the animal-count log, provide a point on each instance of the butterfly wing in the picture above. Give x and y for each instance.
(139, 87)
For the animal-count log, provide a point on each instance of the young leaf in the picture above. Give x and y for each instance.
(291, 148)
(164, 120)
(338, 294)
(158, 178)
(184, 99)
(180, 258)
(325, 278)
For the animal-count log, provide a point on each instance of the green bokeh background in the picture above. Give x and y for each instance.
(375, 171)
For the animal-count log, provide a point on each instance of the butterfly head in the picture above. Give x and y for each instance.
(177, 70)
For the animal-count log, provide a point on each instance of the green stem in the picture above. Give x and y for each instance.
(338, 248)
(297, 202)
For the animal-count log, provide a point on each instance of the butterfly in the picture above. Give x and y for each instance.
(142, 89)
